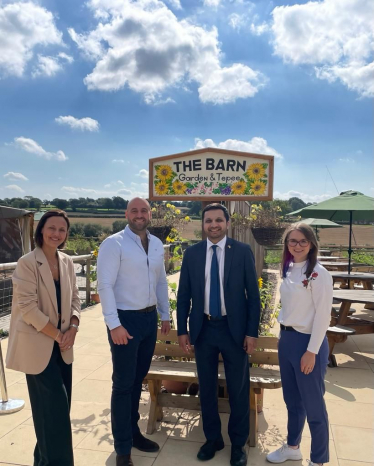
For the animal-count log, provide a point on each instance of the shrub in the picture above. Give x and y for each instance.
(119, 225)
(76, 229)
(92, 229)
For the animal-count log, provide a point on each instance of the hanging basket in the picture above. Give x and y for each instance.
(160, 232)
(267, 236)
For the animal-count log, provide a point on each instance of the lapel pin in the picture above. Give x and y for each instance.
(229, 246)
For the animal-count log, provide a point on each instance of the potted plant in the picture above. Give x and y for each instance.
(167, 222)
(266, 224)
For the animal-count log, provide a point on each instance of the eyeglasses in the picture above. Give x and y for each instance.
(303, 242)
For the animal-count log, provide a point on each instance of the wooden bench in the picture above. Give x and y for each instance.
(182, 368)
(337, 334)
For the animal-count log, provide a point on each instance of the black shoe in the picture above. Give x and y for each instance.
(238, 456)
(124, 460)
(208, 450)
(144, 444)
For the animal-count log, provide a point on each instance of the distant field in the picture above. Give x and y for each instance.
(363, 235)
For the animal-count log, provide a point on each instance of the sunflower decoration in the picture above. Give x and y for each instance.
(238, 187)
(164, 172)
(179, 187)
(161, 188)
(258, 187)
(256, 171)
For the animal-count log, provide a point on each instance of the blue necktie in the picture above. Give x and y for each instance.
(215, 291)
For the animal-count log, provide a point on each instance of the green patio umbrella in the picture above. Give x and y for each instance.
(351, 206)
(320, 223)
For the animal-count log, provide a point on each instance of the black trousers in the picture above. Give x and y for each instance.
(131, 363)
(214, 338)
(50, 398)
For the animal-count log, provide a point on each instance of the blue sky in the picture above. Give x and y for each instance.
(89, 91)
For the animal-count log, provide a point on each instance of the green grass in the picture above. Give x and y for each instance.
(361, 257)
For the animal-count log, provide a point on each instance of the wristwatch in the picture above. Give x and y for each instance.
(75, 326)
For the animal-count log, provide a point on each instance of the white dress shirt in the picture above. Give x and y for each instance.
(306, 304)
(129, 278)
(221, 267)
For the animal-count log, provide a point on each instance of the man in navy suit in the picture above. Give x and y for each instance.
(218, 293)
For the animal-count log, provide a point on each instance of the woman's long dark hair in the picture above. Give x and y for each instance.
(287, 257)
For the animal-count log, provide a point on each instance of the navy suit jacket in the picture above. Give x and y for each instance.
(242, 299)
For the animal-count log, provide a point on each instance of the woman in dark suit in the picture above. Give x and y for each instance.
(44, 323)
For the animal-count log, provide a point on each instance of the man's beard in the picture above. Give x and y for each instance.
(137, 226)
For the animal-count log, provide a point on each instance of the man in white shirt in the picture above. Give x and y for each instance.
(218, 293)
(132, 287)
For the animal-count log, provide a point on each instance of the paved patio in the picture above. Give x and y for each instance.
(349, 397)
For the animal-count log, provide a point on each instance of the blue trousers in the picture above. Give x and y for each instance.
(215, 338)
(130, 365)
(303, 394)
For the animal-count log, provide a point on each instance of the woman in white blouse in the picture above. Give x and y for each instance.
(306, 295)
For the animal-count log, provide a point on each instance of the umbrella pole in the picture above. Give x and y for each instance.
(350, 242)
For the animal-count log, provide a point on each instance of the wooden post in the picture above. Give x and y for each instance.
(203, 205)
(253, 418)
(88, 282)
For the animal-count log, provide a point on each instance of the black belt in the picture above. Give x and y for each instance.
(209, 317)
(146, 309)
(287, 329)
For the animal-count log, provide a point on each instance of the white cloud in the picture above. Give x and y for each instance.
(259, 29)
(50, 66)
(46, 66)
(143, 173)
(14, 187)
(116, 188)
(335, 36)
(82, 124)
(14, 176)
(66, 57)
(237, 21)
(212, 3)
(144, 46)
(118, 161)
(305, 197)
(256, 145)
(24, 26)
(31, 146)
(346, 160)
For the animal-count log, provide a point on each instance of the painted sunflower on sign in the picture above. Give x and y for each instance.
(164, 172)
(256, 171)
(161, 188)
(179, 187)
(258, 187)
(238, 187)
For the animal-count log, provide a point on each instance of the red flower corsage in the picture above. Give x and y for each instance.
(313, 276)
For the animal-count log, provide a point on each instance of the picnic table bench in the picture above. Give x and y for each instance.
(183, 368)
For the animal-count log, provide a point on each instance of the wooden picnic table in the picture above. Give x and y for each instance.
(325, 252)
(367, 280)
(359, 326)
(336, 265)
(331, 258)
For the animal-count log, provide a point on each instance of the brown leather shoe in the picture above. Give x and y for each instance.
(124, 460)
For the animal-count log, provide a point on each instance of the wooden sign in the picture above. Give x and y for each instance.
(211, 175)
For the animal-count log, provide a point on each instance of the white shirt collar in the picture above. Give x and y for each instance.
(221, 244)
(133, 235)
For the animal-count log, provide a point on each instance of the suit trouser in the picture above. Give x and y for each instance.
(215, 338)
(303, 394)
(50, 398)
(131, 363)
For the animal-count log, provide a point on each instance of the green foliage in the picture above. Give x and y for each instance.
(361, 256)
(273, 256)
(76, 229)
(118, 225)
(80, 245)
(3, 333)
(198, 233)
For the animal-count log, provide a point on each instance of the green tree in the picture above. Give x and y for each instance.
(119, 202)
(296, 203)
(195, 208)
(74, 203)
(92, 229)
(60, 203)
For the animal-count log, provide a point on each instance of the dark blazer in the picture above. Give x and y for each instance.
(242, 299)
